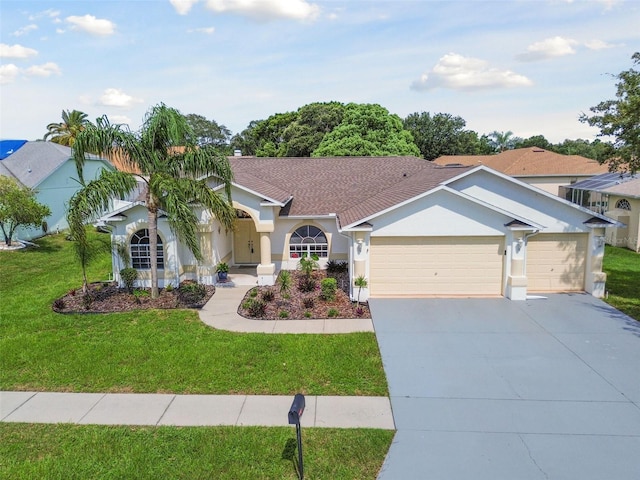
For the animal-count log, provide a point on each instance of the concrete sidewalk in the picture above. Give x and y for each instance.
(192, 410)
(221, 312)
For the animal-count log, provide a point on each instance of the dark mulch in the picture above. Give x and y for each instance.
(107, 298)
(293, 305)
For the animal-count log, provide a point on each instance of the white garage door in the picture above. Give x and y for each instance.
(556, 262)
(414, 266)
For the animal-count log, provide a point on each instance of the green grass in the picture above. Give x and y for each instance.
(169, 351)
(81, 452)
(622, 267)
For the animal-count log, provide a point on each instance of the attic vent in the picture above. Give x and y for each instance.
(453, 165)
(538, 150)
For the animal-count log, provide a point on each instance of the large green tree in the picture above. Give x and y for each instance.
(209, 132)
(367, 130)
(19, 207)
(442, 134)
(65, 132)
(620, 119)
(173, 169)
(312, 123)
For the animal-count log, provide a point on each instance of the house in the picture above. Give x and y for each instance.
(411, 227)
(617, 195)
(49, 169)
(538, 167)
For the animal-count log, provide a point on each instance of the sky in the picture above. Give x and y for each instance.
(531, 67)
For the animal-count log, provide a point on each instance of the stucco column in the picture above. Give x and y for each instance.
(266, 270)
(596, 278)
(516, 287)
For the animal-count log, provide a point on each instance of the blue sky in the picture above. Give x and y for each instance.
(527, 66)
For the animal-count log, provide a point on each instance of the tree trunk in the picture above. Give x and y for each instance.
(153, 247)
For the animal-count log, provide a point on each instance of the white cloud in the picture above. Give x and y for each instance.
(24, 30)
(114, 97)
(183, 6)
(44, 70)
(50, 13)
(601, 45)
(8, 73)
(92, 25)
(267, 9)
(548, 48)
(16, 51)
(119, 119)
(463, 73)
(208, 30)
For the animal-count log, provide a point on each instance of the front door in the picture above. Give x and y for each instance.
(246, 242)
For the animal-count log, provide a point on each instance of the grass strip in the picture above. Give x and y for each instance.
(113, 452)
(622, 267)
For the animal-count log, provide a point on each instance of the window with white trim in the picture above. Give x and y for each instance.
(141, 252)
(308, 240)
(623, 204)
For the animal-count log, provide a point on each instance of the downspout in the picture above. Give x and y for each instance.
(526, 241)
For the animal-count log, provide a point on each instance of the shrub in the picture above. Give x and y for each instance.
(359, 311)
(307, 284)
(334, 267)
(138, 293)
(268, 295)
(191, 293)
(283, 314)
(308, 264)
(87, 300)
(308, 302)
(129, 277)
(253, 293)
(307, 314)
(257, 308)
(169, 288)
(284, 282)
(332, 313)
(328, 288)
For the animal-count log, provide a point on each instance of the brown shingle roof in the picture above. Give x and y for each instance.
(529, 161)
(354, 188)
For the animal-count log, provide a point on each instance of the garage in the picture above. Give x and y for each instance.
(556, 262)
(422, 266)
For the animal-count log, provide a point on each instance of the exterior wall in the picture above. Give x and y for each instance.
(55, 191)
(551, 184)
(629, 236)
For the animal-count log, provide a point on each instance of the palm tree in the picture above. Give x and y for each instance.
(502, 141)
(65, 132)
(173, 169)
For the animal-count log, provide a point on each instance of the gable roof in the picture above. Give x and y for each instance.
(35, 161)
(530, 161)
(353, 188)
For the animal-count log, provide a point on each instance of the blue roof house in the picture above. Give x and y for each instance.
(49, 169)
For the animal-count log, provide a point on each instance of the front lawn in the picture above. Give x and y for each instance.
(89, 451)
(622, 267)
(168, 351)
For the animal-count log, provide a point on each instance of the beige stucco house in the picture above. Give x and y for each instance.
(411, 227)
(617, 196)
(538, 167)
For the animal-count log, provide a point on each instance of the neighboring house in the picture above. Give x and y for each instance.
(617, 196)
(411, 227)
(535, 166)
(49, 169)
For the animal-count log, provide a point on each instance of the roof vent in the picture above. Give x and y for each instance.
(538, 150)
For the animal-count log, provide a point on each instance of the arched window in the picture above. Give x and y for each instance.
(623, 204)
(140, 252)
(308, 240)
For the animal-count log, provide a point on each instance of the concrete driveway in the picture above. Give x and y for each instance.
(496, 389)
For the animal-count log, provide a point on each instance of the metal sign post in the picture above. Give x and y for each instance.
(295, 412)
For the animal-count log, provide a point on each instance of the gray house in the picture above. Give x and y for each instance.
(49, 169)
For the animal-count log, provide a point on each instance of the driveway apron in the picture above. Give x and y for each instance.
(546, 388)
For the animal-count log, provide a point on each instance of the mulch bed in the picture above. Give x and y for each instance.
(104, 297)
(294, 308)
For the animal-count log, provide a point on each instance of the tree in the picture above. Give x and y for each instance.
(597, 150)
(173, 169)
(19, 207)
(246, 141)
(441, 134)
(535, 141)
(502, 141)
(270, 134)
(312, 123)
(209, 132)
(620, 119)
(65, 132)
(367, 130)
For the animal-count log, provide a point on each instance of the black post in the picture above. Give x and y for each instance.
(295, 412)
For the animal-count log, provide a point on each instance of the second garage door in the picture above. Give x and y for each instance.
(414, 266)
(556, 262)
